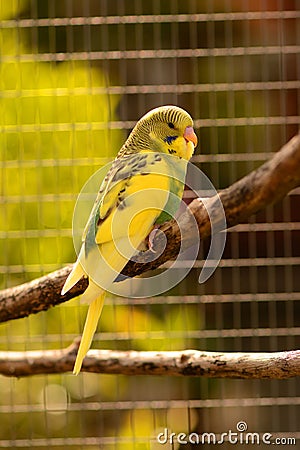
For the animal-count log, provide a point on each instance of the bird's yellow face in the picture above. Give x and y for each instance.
(171, 131)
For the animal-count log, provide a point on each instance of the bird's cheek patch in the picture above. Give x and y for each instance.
(170, 139)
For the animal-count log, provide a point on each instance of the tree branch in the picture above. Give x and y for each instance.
(279, 365)
(262, 187)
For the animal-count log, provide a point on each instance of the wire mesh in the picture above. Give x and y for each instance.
(75, 77)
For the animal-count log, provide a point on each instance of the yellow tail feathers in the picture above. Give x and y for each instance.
(73, 278)
(93, 295)
(90, 326)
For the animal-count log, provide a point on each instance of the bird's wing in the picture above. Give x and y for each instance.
(101, 194)
(139, 182)
(133, 198)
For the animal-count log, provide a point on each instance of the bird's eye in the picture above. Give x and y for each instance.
(171, 125)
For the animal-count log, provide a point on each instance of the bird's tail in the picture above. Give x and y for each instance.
(75, 275)
(96, 296)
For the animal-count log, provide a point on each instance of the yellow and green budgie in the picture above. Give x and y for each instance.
(136, 195)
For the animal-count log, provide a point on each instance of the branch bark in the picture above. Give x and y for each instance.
(279, 365)
(262, 187)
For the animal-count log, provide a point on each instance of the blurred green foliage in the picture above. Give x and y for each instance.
(54, 127)
(11, 9)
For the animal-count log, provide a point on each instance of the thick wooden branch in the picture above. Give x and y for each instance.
(37, 295)
(278, 365)
(262, 187)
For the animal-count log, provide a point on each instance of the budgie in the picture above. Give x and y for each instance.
(134, 198)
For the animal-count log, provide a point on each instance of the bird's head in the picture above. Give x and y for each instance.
(168, 129)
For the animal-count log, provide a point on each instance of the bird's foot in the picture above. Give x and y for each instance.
(151, 238)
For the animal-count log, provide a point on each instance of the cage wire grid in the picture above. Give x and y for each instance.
(75, 76)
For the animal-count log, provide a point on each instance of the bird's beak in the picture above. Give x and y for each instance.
(190, 136)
